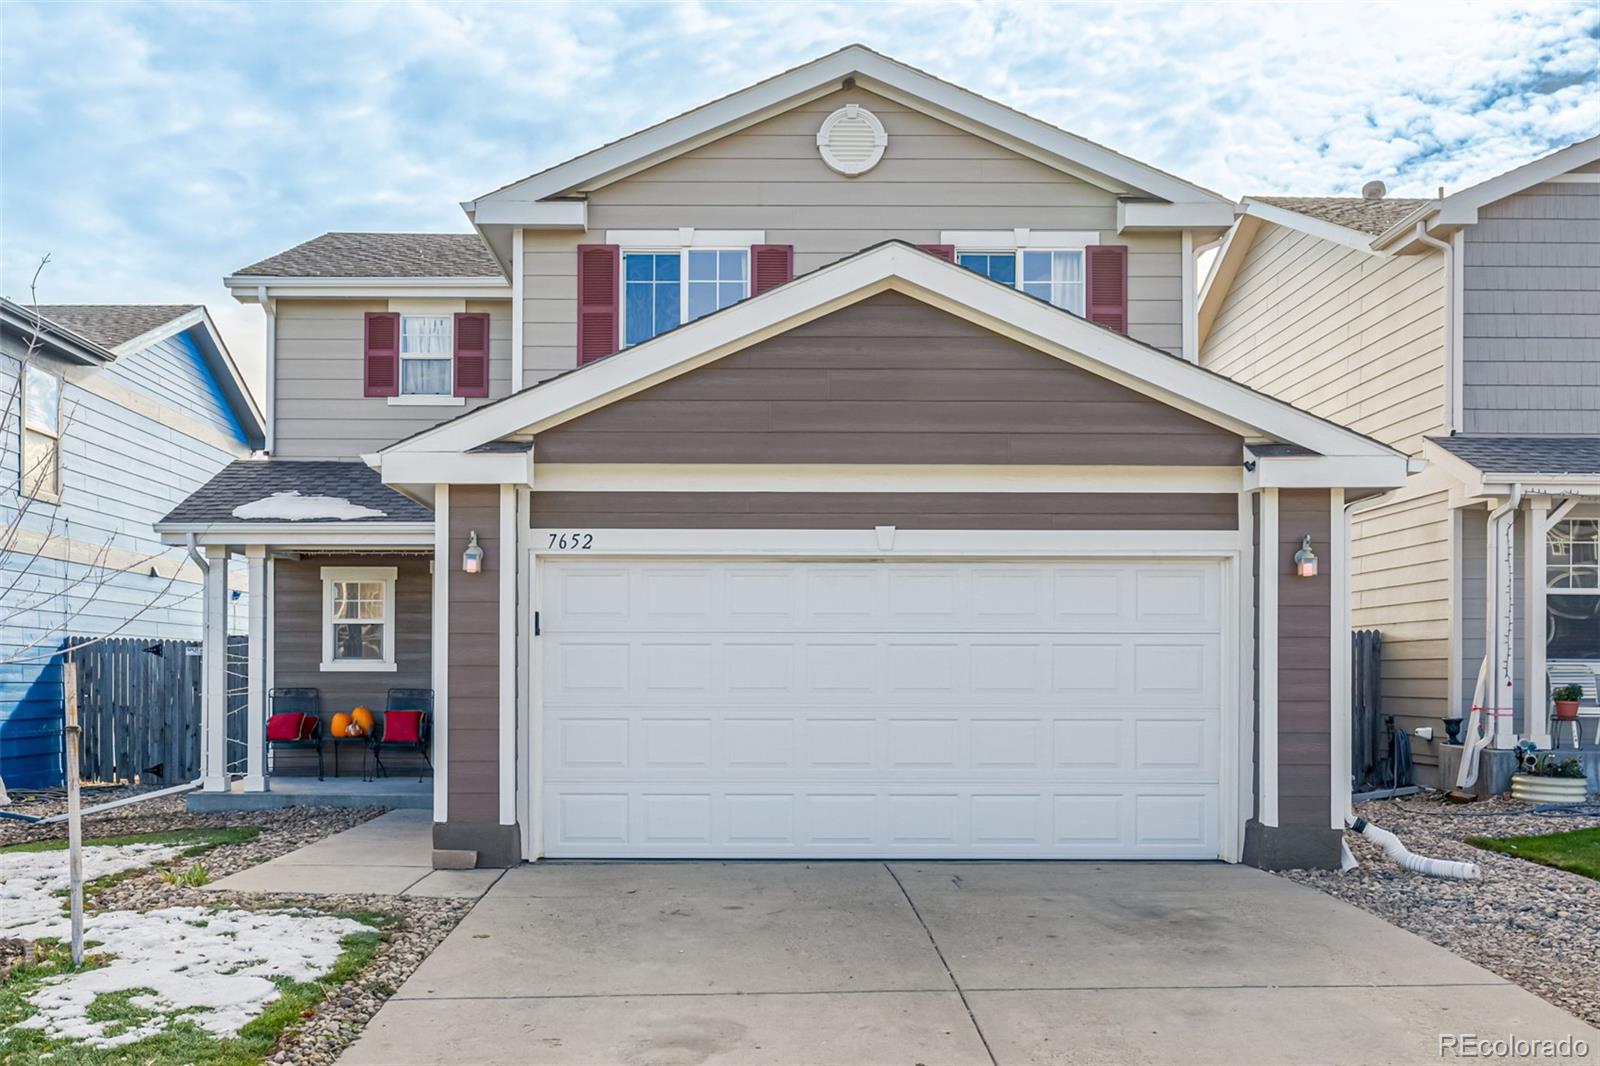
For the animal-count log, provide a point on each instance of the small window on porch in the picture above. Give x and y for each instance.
(358, 618)
(1572, 575)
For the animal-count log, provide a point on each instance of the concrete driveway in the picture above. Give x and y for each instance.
(907, 962)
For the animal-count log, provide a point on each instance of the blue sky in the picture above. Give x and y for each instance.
(151, 148)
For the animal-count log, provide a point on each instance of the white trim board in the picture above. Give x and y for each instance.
(870, 477)
(899, 267)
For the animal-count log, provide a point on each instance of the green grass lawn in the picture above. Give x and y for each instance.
(1577, 851)
(198, 841)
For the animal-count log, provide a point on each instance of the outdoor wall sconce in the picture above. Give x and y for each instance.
(472, 558)
(1305, 560)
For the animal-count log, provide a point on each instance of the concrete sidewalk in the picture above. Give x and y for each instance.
(934, 963)
(392, 855)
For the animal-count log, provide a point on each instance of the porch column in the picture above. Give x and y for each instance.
(255, 777)
(214, 684)
(1500, 640)
(1535, 704)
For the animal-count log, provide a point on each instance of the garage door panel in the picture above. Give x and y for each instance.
(780, 709)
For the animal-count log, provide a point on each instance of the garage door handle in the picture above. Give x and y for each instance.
(536, 623)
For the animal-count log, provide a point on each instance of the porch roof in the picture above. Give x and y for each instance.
(1558, 456)
(294, 493)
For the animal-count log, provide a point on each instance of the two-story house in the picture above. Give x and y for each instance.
(109, 416)
(1464, 330)
(823, 472)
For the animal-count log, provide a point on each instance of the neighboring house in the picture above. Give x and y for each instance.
(1464, 330)
(859, 496)
(123, 411)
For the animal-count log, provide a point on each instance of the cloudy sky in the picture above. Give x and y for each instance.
(152, 149)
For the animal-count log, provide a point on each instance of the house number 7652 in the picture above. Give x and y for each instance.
(564, 541)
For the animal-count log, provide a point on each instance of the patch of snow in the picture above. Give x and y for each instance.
(291, 506)
(216, 967)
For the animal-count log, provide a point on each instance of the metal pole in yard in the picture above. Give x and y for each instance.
(74, 812)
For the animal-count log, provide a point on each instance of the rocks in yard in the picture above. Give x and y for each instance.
(1533, 925)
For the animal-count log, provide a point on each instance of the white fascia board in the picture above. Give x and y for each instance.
(1328, 471)
(1134, 216)
(1480, 484)
(161, 332)
(419, 468)
(248, 289)
(303, 535)
(875, 477)
(529, 214)
(1328, 231)
(999, 308)
(874, 73)
(855, 543)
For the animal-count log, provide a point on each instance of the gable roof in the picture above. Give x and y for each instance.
(96, 334)
(897, 266)
(1352, 212)
(875, 73)
(381, 255)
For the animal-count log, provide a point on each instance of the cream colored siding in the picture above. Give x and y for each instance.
(322, 413)
(933, 177)
(1359, 340)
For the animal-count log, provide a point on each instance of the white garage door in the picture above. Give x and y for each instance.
(868, 709)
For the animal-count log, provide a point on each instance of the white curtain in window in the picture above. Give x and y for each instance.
(424, 336)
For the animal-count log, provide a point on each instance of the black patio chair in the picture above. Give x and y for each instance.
(412, 718)
(306, 733)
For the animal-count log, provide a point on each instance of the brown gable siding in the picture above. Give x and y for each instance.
(890, 380)
(474, 658)
(1304, 626)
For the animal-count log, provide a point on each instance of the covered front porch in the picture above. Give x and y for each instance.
(337, 686)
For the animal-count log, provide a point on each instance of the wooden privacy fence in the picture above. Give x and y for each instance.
(139, 709)
(1368, 733)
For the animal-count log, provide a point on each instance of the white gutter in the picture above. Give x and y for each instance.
(270, 306)
(1452, 337)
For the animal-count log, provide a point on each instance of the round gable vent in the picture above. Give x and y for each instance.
(852, 140)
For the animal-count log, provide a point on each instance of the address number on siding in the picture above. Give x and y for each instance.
(574, 541)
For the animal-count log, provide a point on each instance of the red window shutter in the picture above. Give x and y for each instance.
(381, 360)
(770, 266)
(599, 315)
(1106, 296)
(472, 355)
(947, 252)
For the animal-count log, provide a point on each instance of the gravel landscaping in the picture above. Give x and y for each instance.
(1533, 925)
(411, 926)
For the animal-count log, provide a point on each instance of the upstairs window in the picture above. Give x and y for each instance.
(41, 434)
(426, 355)
(996, 266)
(1572, 602)
(1055, 277)
(662, 290)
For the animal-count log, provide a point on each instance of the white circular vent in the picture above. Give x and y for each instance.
(852, 140)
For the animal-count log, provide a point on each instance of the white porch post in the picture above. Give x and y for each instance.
(1535, 705)
(255, 777)
(214, 685)
(1500, 641)
(1267, 658)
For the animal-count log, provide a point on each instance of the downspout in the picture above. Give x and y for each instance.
(1451, 341)
(270, 306)
(1486, 694)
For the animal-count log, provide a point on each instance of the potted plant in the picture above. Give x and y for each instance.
(1544, 778)
(1566, 699)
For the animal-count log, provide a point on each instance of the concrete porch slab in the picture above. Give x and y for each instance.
(395, 793)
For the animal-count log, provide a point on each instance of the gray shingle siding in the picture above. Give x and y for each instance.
(1531, 314)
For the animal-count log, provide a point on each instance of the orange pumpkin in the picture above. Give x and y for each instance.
(340, 724)
(363, 718)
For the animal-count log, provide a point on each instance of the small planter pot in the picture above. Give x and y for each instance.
(1566, 710)
(1549, 789)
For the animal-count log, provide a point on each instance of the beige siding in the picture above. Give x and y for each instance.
(769, 177)
(321, 411)
(1360, 340)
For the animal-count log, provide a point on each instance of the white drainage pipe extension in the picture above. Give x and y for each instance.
(1401, 855)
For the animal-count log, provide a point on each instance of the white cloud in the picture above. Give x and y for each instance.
(152, 149)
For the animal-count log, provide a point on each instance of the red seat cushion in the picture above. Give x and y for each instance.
(287, 725)
(402, 727)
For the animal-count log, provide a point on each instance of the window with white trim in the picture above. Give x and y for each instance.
(358, 618)
(1054, 275)
(427, 355)
(40, 472)
(996, 266)
(1572, 599)
(662, 290)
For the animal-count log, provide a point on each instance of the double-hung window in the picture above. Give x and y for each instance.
(1055, 277)
(996, 266)
(358, 617)
(662, 290)
(426, 355)
(1572, 597)
(40, 474)
(1047, 264)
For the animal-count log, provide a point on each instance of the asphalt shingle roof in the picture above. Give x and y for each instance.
(109, 325)
(381, 255)
(1351, 212)
(1526, 455)
(249, 480)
